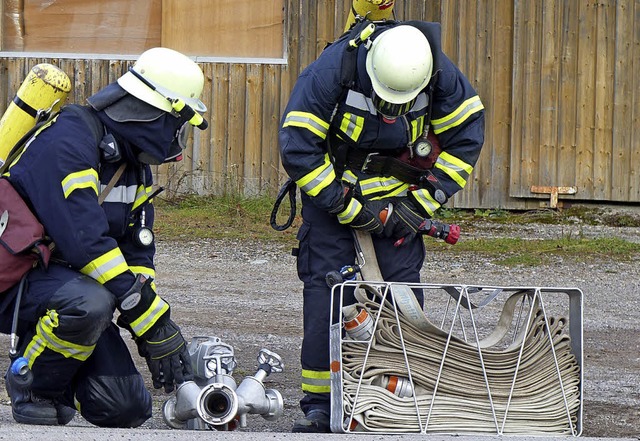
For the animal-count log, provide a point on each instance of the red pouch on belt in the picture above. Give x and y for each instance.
(22, 239)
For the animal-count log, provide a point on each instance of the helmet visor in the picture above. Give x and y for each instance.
(391, 110)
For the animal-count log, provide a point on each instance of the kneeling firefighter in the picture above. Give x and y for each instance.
(86, 176)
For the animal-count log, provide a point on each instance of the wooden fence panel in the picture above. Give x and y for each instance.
(634, 107)
(574, 100)
(235, 127)
(567, 94)
(253, 131)
(623, 167)
(527, 121)
(270, 164)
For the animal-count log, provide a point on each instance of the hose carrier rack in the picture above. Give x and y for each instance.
(474, 360)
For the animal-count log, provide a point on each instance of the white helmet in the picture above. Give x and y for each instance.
(399, 64)
(172, 74)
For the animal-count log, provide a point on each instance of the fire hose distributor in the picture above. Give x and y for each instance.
(213, 362)
(220, 405)
(213, 400)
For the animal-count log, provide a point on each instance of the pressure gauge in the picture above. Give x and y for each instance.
(422, 148)
(143, 237)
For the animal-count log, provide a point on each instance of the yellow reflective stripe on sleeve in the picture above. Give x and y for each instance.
(147, 272)
(45, 338)
(458, 116)
(424, 198)
(455, 168)
(82, 179)
(352, 125)
(319, 179)
(106, 267)
(348, 214)
(307, 121)
(144, 270)
(149, 317)
(316, 381)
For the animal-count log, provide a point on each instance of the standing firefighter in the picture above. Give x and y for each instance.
(104, 249)
(362, 130)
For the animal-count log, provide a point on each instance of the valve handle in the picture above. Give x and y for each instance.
(270, 359)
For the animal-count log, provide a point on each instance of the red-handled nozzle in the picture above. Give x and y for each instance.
(454, 234)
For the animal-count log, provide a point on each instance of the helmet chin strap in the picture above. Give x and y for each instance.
(178, 105)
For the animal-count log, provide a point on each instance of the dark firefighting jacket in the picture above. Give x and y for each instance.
(60, 175)
(322, 113)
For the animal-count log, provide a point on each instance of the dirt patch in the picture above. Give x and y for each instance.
(248, 295)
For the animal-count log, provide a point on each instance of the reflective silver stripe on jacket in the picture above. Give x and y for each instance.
(121, 194)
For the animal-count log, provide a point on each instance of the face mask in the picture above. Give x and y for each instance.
(179, 143)
(390, 110)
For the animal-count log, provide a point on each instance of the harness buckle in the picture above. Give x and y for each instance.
(366, 162)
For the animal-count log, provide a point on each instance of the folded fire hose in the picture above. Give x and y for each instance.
(408, 375)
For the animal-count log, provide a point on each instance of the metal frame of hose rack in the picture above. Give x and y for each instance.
(485, 360)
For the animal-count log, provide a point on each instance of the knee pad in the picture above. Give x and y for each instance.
(108, 401)
(84, 308)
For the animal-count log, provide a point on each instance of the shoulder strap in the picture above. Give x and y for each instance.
(105, 192)
(90, 119)
(357, 35)
(19, 146)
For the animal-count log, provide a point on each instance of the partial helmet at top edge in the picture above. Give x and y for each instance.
(399, 64)
(174, 75)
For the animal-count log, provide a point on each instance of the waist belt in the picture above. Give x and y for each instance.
(382, 165)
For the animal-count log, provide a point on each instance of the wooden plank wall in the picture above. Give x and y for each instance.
(576, 99)
(557, 79)
(477, 36)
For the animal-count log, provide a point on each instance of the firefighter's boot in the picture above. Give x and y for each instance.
(27, 408)
(315, 421)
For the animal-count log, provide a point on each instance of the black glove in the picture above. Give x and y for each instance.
(167, 357)
(360, 216)
(404, 222)
(159, 340)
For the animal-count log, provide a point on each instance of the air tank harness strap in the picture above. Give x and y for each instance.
(289, 188)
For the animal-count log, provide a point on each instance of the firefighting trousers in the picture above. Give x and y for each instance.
(75, 352)
(325, 245)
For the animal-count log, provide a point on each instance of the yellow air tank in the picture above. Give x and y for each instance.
(45, 88)
(372, 9)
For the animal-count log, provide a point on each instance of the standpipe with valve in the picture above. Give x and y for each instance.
(213, 401)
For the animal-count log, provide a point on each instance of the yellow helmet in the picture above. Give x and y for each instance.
(169, 74)
(399, 64)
